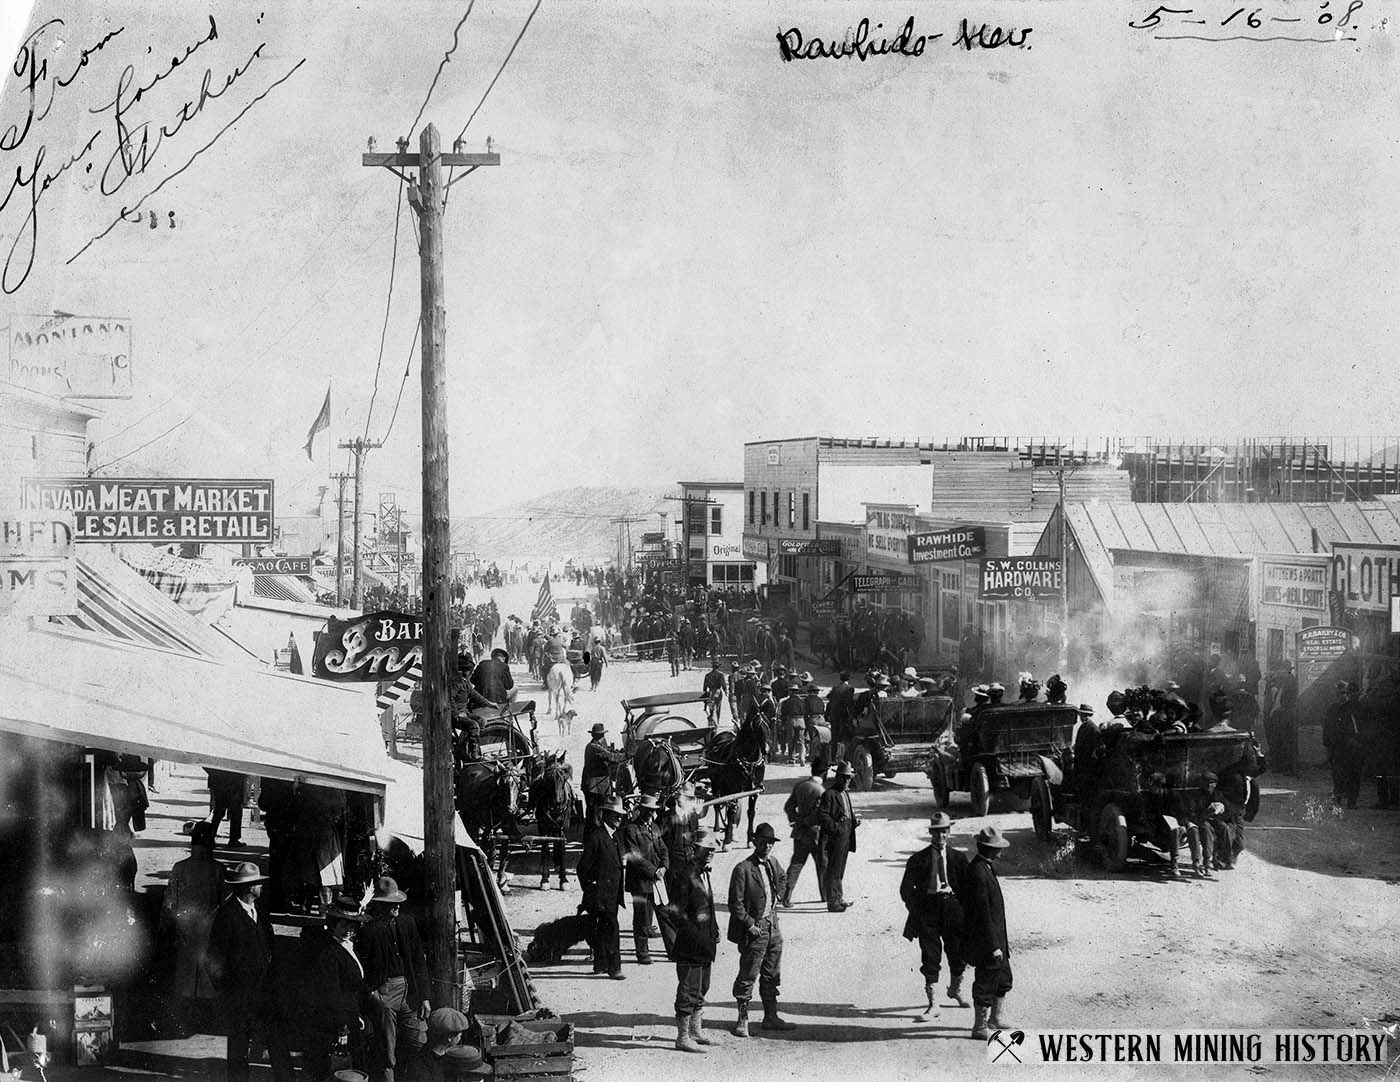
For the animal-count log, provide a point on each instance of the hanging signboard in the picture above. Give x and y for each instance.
(1023, 578)
(878, 584)
(71, 356)
(755, 548)
(38, 570)
(181, 509)
(818, 547)
(276, 565)
(1323, 643)
(1366, 576)
(363, 649)
(664, 564)
(1293, 584)
(826, 607)
(965, 543)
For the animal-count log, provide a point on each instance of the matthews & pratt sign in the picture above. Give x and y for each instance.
(1022, 578)
(376, 646)
(276, 565)
(966, 543)
(177, 509)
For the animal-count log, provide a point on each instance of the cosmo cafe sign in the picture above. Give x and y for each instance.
(108, 509)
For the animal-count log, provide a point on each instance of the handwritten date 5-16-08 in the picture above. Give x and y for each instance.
(1238, 21)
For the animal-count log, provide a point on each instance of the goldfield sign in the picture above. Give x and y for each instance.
(817, 547)
(181, 509)
(1366, 576)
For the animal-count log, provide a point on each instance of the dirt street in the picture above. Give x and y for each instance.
(1300, 935)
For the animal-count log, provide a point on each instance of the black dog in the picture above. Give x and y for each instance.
(553, 940)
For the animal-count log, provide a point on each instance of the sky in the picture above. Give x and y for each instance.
(690, 243)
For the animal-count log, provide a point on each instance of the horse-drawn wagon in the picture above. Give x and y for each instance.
(1011, 748)
(896, 735)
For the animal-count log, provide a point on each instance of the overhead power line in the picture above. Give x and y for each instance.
(502, 68)
(388, 301)
(441, 64)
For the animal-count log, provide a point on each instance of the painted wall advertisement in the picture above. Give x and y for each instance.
(1025, 578)
(38, 569)
(966, 543)
(1366, 576)
(180, 509)
(71, 356)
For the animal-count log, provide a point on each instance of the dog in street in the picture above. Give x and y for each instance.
(553, 940)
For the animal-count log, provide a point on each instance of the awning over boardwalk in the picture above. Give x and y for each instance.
(101, 693)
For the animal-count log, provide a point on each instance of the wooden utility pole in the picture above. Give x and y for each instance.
(426, 196)
(359, 448)
(340, 479)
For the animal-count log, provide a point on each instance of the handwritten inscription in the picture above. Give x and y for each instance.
(864, 41)
(141, 114)
(1235, 22)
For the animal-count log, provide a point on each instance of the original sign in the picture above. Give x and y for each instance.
(1293, 585)
(157, 510)
(819, 547)
(961, 544)
(1366, 576)
(376, 646)
(1025, 578)
(38, 571)
(276, 565)
(871, 584)
(71, 356)
(1323, 643)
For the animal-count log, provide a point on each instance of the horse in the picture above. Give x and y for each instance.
(559, 681)
(735, 763)
(488, 802)
(551, 796)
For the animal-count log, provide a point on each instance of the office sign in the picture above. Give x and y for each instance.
(1022, 578)
(71, 356)
(276, 565)
(38, 568)
(653, 558)
(1366, 576)
(368, 648)
(668, 564)
(107, 509)
(1323, 643)
(882, 583)
(817, 547)
(965, 543)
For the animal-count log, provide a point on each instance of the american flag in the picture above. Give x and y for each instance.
(544, 604)
(401, 688)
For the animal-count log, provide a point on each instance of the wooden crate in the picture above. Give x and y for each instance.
(553, 1060)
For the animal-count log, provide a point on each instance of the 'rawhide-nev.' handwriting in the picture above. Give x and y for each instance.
(1033, 578)
(376, 646)
(181, 509)
(962, 544)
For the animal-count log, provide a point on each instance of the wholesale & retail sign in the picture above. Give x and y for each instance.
(160, 510)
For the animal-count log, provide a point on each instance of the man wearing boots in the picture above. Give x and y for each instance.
(396, 980)
(984, 935)
(692, 913)
(644, 857)
(600, 876)
(802, 809)
(755, 886)
(932, 879)
(838, 835)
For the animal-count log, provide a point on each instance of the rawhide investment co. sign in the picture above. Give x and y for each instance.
(179, 509)
(1022, 578)
(363, 649)
(966, 543)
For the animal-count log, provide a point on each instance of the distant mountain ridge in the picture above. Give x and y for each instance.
(569, 522)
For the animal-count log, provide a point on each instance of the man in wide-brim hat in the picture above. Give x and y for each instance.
(337, 987)
(599, 762)
(239, 960)
(600, 874)
(932, 879)
(755, 887)
(838, 823)
(396, 976)
(985, 946)
(645, 860)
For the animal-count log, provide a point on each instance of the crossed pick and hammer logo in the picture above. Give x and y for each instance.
(1006, 1045)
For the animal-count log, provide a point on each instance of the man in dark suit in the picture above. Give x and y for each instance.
(396, 979)
(644, 858)
(984, 935)
(755, 888)
(600, 876)
(599, 760)
(492, 678)
(932, 879)
(838, 835)
(802, 810)
(339, 989)
(227, 792)
(839, 703)
(691, 912)
(239, 958)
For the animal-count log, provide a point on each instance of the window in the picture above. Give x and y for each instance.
(763, 504)
(777, 512)
(750, 507)
(716, 521)
(792, 510)
(806, 510)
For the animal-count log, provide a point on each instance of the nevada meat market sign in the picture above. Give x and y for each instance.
(179, 509)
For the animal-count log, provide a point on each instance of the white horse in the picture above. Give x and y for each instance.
(560, 683)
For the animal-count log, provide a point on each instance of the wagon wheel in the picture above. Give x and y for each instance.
(1042, 814)
(864, 767)
(981, 789)
(940, 789)
(1112, 838)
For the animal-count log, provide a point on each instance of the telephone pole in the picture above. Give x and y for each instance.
(426, 195)
(359, 448)
(340, 479)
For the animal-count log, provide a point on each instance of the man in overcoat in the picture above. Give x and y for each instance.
(932, 878)
(644, 858)
(600, 876)
(239, 958)
(838, 824)
(691, 913)
(985, 946)
(599, 761)
(755, 888)
(803, 811)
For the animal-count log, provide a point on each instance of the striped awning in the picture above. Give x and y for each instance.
(115, 600)
(283, 588)
(201, 588)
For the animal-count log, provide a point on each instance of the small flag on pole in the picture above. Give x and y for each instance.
(544, 604)
(322, 422)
